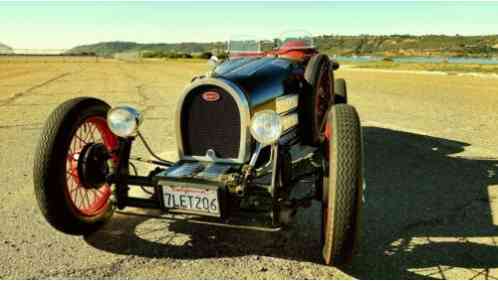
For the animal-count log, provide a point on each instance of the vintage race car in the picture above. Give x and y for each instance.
(263, 134)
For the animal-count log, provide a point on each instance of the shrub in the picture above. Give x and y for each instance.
(206, 55)
(222, 56)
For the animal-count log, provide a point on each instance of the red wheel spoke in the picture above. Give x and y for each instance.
(86, 132)
(76, 196)
(81, 132)
(77, 142)
(82, 197)
(95, 193)
(90, 133)
(93, 129)
(71, 147)
(81, 203)
(74, 184)
(87, 199)
(80, 139)
(75, 146)
(96, 134)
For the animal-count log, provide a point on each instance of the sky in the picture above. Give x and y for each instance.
(62, 25)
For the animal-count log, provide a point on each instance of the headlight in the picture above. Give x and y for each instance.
(266, 127)
(123, 120)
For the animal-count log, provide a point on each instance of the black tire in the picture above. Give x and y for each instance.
(311, 127)
(341, 91)
(343, 186)
(49, 174)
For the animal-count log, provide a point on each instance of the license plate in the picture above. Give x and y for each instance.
(202, 201)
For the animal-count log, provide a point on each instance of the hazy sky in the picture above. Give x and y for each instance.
(66, 24)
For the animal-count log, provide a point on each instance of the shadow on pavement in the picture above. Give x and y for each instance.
(426, 212)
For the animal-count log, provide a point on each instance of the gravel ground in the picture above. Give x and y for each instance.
(432, 191)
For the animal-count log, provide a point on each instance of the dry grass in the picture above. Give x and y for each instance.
(48, 59)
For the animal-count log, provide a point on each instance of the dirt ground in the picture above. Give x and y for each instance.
(431, 160)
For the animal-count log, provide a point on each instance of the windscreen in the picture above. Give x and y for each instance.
(248, 46)
(296, 39)
(242, 46)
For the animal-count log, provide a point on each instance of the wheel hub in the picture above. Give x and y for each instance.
(92, 165)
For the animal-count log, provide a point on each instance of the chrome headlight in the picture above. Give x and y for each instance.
(266, 127)
(124, 120)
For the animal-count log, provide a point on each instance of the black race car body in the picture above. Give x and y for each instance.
(261, 79)
(248, 133)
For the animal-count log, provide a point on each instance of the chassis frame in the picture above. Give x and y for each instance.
(234, 186)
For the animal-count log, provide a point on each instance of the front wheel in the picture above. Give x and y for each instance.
(342, 188)
(72, 157)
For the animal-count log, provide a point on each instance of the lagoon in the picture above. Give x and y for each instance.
(452, 60)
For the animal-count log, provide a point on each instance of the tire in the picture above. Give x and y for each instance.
(341, 91)
(310, 118)
(343, 186)
(56, 180)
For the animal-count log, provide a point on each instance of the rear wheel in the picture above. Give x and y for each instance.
(341, 91)
(342, 190)
(317, 100)
(71, 194)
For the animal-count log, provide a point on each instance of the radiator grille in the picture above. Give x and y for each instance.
(210, 124)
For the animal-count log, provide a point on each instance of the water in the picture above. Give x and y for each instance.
(358, 58)
(453, 60)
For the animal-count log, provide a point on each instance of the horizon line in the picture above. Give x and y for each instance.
(224, 41)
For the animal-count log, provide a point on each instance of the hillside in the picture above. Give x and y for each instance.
(107, 49)
(4, 49)
(391, 45)
(407, 45)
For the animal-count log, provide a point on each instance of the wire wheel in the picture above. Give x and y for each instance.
(323, 99)
(315, 103)
(85, 200)
(71, 164)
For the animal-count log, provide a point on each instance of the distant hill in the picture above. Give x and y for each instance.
(389, 45)
(408, 45)
(108, 49)
(4, 49)
(104, 48)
